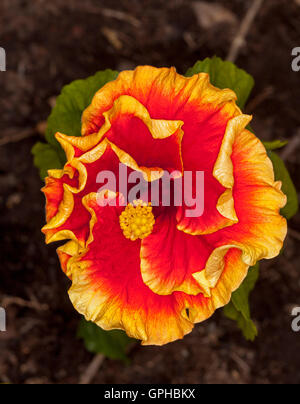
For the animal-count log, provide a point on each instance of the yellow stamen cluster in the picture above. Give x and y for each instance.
(137, 220)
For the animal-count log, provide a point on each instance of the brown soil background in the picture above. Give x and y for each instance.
(51, 43)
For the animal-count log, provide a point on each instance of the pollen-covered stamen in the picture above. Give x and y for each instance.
(137, 220)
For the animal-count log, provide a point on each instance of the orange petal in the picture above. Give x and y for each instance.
(261, 233)
(205, 110)
(141, 142)
(199, 308)
(108, 288)
(67, 217)
(169, 258)
(212, 155)
(161, 91)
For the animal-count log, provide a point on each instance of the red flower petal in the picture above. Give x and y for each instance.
(169, 257)
(54, 190)
(131, 135)
(157, 288)
(205, 112)
(207, 147)
(108, 288)
(261, 233)
(200, 307)
(69, 216)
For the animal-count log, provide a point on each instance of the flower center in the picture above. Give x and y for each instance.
(137, 220)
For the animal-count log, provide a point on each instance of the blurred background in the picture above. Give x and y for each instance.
(49, 44)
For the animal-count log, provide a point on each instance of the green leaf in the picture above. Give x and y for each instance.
(248, 328)
(275, 144)
(238, 308)
(45, 158)
(224, 74)
(74, 99)
(288, 188)
(240, 298)
(66, 118)
(112, 344)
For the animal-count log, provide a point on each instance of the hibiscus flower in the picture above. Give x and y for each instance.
(155, 271)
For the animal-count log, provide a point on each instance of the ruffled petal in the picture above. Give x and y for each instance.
(61, 186)
(199, 308)
(152, 143)
(65, 254)
(162, 91)
(152, 120)
(206, 113)
(169, 258)
(143, 143)
(261, 233)
(212, 156)
(108, 288)
(67, 218)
